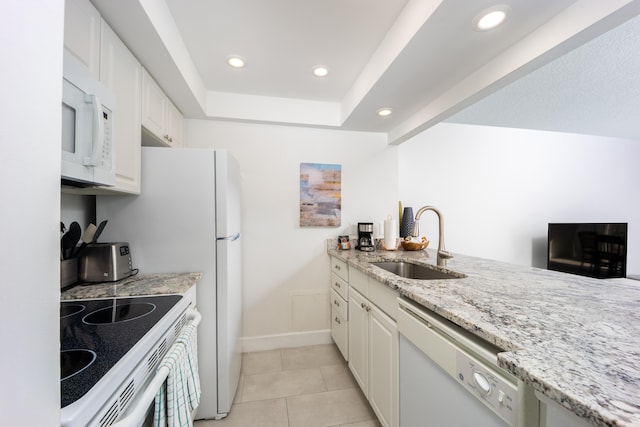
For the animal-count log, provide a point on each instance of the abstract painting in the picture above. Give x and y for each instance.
(320, 195)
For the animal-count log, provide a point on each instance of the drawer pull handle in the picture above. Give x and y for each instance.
(337, 320)
(337, 285)
(337, 267)
(336, 303)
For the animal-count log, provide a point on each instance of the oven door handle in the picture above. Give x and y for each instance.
(138, 413)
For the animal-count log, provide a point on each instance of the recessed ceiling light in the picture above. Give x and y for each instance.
(491, 18)
(384, 112)
(320, 71)
(235, 61)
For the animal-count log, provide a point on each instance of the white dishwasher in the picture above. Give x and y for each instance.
(450, 378)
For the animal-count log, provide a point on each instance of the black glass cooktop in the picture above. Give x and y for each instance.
(96, 334)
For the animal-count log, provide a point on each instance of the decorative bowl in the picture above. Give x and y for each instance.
(410, 245)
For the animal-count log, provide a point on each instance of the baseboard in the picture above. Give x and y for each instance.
(293, 339)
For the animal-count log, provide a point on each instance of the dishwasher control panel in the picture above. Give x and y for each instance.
(495, 391)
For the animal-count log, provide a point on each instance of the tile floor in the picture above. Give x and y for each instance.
(297, 387)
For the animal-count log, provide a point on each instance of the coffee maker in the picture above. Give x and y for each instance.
(365, 237)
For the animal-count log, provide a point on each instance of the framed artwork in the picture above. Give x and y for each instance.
(320, 195)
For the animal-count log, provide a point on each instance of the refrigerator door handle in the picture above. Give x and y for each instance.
(231, 238)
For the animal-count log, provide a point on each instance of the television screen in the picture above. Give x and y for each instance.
(588, 249)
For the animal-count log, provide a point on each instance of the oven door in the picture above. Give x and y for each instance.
(142, 409)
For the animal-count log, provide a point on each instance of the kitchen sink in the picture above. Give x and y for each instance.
(417, 271)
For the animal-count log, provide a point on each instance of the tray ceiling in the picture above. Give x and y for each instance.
(422, 58)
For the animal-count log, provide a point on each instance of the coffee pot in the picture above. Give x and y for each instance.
(365, 237)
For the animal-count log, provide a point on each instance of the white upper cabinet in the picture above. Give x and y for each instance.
(174, 125)
(121, 72)
(141, 105)
(161, 120)
(88, 37)
(154, 104)
(82, 33)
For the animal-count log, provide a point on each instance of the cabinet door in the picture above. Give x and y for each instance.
(173, 122)
(82, 33)
(339, 332)
(121, 72)
(359, 339)
(383, 367)
(154, 105)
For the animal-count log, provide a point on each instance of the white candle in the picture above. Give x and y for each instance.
(390, 232)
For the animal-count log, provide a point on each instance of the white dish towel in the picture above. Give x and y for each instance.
(180, 393)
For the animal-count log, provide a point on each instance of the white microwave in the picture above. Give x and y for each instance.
(87, 128)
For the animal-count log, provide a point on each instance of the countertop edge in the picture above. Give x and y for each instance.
(143, 285)
(508, 360)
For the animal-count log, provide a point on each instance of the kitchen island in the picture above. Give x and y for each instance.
(573, 339)
(150, 284)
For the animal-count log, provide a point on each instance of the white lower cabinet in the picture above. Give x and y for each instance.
(339, 323)
(373, 356)
(359, 339)
(339, 305)
(363, 326)
(383, 367)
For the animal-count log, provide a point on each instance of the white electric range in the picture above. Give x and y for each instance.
(110, 348)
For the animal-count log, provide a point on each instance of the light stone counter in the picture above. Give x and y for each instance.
(574, 339)
(150, 284)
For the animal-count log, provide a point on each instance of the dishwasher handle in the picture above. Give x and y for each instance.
(452, 334)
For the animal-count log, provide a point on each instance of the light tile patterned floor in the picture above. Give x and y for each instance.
(297, 387)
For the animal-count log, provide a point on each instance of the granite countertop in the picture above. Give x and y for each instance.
(574, 339)
(150, 284)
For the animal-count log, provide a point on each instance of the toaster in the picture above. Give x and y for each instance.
(105, 262)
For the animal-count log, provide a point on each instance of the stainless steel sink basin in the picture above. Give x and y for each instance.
(417, 271)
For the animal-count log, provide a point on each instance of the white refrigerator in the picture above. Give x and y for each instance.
(188, 219)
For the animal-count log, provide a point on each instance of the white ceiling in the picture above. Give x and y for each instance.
(282, 40)
(594, 89)
(420, 57)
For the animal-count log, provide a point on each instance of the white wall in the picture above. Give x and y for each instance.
(31, 86)
(284, 262)
(79, 208)
(499, 187)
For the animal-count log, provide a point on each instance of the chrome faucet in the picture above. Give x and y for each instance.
(443, 255)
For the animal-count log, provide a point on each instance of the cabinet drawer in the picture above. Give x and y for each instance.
(339, 304)
(340, 286)
(340, 332)
(360, 282)
(384, 297)
(340, 268)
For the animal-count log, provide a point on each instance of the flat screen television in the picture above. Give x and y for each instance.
(588, 249)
